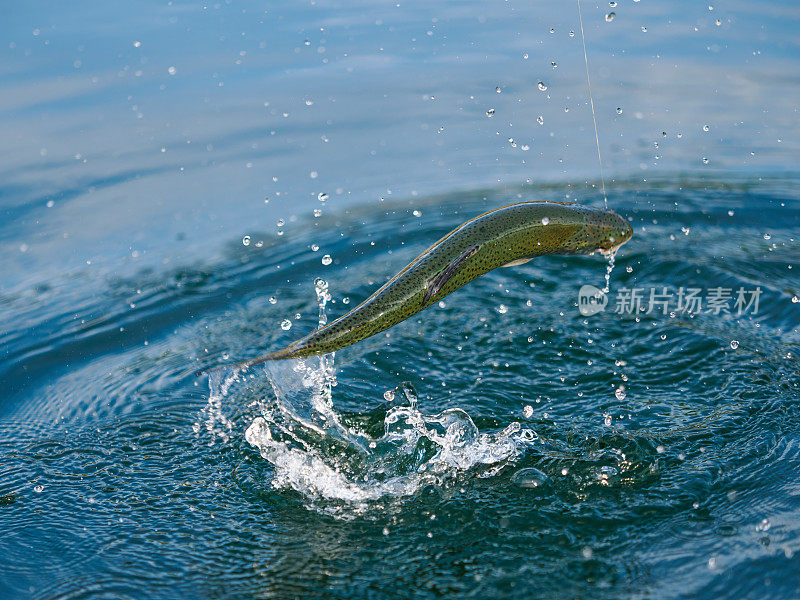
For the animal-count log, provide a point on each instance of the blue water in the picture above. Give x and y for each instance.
(173, 175)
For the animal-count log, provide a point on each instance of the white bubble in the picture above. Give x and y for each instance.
(545, 220)
(172, 70)
(326, 260)
(734, 344)
(38, 489)
(286, 324)
(273, 300)
(417, 213)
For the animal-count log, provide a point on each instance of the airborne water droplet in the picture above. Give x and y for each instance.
(246, 240)
(540, 120)
(610, 17)
(542, 86)
(734, 344)
(502, 309)
(490, 112)
(545, 220)
(619, 110)
(322, 196)
(326, 260)
(286, 324)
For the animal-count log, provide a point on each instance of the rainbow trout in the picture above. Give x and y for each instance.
(507, 236)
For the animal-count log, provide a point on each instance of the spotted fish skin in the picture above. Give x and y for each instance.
(501, 236)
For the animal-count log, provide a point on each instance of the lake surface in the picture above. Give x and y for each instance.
(185, 185)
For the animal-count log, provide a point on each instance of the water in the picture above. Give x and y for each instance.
(499, 444)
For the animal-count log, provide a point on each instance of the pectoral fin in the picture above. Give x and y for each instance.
(436, 284)
(515, 263)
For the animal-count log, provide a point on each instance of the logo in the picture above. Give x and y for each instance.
(591, 300)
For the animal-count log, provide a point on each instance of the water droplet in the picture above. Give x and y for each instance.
(542, 86)
(629, 269)
(345, 300)
(502, 309)
(607, 420)
(767, 236)
(619, 110)
(571, 33)
(730, 213)
(38, 489)
(705, 160)
(417, 213)
(317, 212)
(246, 240)
(545, 220)
(706, 127)
(553, 64)
(763, 525)
(610, 17)
(286, 324)
(718, 22)
(322, 196)
(388, 395)
(540, 120)
(734, 344)
(552, 30)
(587, 553)
(280, 223)
(326, 259)
(795, 299)
(527, 412)
(529, 478)
(660, 449)
(490, 112)
(273, 300)
(620, 393)
(314, 247)
(644, 29)
(497, 89)
(172, 70)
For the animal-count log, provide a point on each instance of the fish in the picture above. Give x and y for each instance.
(506, 236)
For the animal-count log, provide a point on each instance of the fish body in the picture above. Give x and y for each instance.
(505, 236)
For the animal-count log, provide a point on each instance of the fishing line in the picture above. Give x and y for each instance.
(591, 103)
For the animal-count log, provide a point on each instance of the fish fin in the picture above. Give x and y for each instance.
(520, 261)
(436, 284)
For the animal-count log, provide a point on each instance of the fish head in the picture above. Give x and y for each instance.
(610, 231)
(602, 231)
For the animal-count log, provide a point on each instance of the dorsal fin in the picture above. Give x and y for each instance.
(436, 284)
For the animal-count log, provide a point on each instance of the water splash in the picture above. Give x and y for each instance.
(344, 464)
(611, 255)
